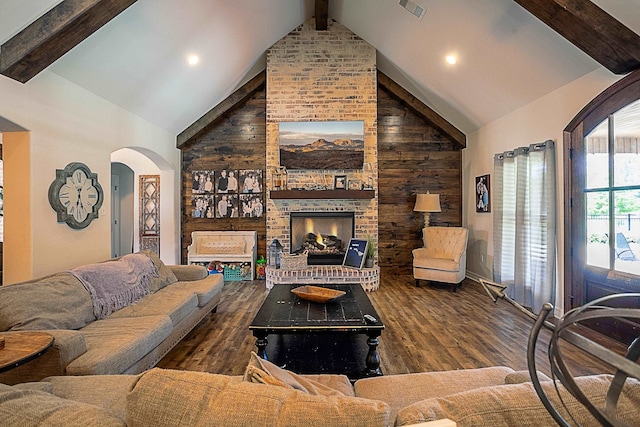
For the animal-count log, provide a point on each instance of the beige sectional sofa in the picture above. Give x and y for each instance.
(128, 341)
(269, 396)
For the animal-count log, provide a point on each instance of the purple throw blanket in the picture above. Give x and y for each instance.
(113, 285)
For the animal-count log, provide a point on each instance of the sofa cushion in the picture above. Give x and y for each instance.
(113, 345)
(443, 264)
(403, 390)
(177, 305)
(172, 398)
(58, 301)
(205, 289)
(19, 407)
(509, 405)
(264, 372)
(165, 275)
(108, 392)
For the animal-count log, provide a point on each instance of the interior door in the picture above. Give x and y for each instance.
(115, 216)
(605, 214)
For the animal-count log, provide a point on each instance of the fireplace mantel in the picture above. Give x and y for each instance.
(322, 194)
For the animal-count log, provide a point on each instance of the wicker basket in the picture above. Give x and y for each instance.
(293, 262)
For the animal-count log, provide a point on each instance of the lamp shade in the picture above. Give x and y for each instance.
(427, 203)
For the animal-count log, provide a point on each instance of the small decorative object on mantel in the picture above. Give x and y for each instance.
(76, 195)
(340, 182)
(279, 180)
(317, 294)
(367, 183)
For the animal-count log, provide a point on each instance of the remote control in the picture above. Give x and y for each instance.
(370, 319)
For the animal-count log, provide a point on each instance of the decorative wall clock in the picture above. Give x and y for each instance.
(76, 195)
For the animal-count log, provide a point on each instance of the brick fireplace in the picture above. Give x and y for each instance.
(321, 76)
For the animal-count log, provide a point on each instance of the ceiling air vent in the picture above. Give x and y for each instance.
(413, 8)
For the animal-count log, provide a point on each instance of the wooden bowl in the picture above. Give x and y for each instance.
(317, 294)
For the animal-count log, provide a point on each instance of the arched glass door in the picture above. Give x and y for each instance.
(602, 202)
(612, 192)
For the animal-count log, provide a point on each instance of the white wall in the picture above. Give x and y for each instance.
(543, 119)
(67, 123)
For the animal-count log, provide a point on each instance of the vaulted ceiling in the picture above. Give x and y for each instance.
(506, 57)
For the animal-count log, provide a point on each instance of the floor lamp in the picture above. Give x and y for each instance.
(427, 203)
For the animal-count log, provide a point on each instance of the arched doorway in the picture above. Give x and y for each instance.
(602, 202)
(142, 163)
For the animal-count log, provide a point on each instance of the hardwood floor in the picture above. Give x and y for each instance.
(426, 329)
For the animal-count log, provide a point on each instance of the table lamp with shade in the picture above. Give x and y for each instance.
(427, 203)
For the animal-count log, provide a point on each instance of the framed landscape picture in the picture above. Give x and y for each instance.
(483, 199)
(321, 145)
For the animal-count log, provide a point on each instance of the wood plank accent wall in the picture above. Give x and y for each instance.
(413, 157)
(235, 141)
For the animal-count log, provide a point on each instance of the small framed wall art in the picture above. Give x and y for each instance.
(356, 253)
(340, 182)
(483, 196)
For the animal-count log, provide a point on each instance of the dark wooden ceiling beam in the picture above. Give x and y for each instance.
(232, 101)
(322, 15)
(591, 29)
(435, 119)
(54, 34)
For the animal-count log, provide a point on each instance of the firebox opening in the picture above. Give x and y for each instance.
(324, 235)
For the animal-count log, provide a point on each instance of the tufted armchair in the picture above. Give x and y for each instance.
(443, 257)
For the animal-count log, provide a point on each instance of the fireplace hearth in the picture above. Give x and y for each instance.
(324, 235)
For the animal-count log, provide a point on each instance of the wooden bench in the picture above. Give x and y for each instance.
(225, 247)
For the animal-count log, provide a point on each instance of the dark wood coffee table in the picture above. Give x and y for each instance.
(307, 330)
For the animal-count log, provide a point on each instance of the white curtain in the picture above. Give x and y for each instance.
(524, 224)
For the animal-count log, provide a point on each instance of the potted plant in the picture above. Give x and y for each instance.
(371, 252)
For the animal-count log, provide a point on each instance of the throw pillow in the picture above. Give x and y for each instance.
(264, 372)
(165, 275)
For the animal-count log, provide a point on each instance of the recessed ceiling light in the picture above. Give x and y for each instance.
(193, 60)
(451, 59)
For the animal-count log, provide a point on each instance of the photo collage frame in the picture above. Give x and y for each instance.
(227, 193)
